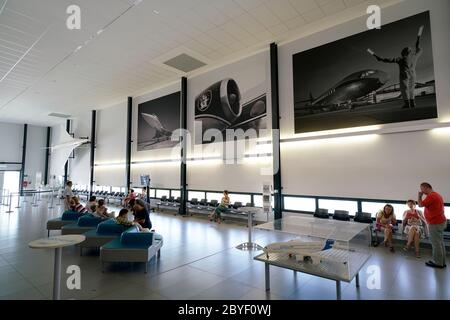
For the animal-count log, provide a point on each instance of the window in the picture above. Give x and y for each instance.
(243, 198)
(258, 201)
(115, 189)
(161, 193)
(214, 196)
(331, 205)
(447, 212)
(374, 207)
(196, 194)
(300, 204)
(152, 193)
(175, 193)
(11, 181)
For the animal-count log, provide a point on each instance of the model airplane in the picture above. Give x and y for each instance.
(62, 146)
(304, 251)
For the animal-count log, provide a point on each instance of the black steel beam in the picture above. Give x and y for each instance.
(93, 139)
(66, 166)
(183, 126)
(47, 155)
(24, 155)
(129, 141)
(277, 186)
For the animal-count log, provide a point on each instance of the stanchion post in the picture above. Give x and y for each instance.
(51, 202)
(18, 201)
(10, 201)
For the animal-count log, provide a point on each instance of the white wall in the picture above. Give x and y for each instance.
(11, 142)
(11, 139)
(111, 146)
(383, 166)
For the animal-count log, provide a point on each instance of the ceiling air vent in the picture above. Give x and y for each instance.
(59, 115)
(185, 63)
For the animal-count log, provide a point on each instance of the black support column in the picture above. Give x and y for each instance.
(24, 155)
(47, 155)
(129, 141)
(93, 139)
(66, 166)
(277, 186)
(183, 127)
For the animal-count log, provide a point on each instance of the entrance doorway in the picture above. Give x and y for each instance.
(11, 181)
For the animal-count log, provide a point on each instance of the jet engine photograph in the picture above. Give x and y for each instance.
(233, 97)
(157, 120)
(220, 107)
(374, 77)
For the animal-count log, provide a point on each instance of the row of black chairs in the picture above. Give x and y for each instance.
(200, 203)
(343, 215)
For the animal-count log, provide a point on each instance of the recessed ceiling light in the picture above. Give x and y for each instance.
(155, 11)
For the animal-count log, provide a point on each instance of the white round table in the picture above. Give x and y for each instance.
(57, 243)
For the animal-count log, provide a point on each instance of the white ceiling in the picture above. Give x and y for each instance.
(41, 70)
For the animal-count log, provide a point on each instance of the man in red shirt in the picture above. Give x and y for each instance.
(437, 223)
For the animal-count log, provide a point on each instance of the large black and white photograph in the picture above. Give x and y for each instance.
(375, 77)
(232, 97)
(157, 119)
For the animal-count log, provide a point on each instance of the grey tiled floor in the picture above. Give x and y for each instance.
(198, 261)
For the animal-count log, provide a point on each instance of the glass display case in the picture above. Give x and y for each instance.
(327, 248)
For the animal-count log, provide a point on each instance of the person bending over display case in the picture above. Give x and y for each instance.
(386, 221)
(414, 226)
(216, 215)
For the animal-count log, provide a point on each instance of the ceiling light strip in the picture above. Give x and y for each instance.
(25, 53)
(3, 6)
(67, 56)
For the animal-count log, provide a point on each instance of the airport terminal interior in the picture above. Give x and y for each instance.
(224, 150)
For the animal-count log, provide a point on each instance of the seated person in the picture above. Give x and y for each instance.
(92, 201)
(386, 221)
(123, 220)
(131, 195)
(78, 207)
(131, 204)
(141, 214)
(414, 226)
(223, 207)
(143, 194)
(102, 211)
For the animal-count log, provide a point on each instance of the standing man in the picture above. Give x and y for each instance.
(437, 223)
(407, 66)
(67, 194)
